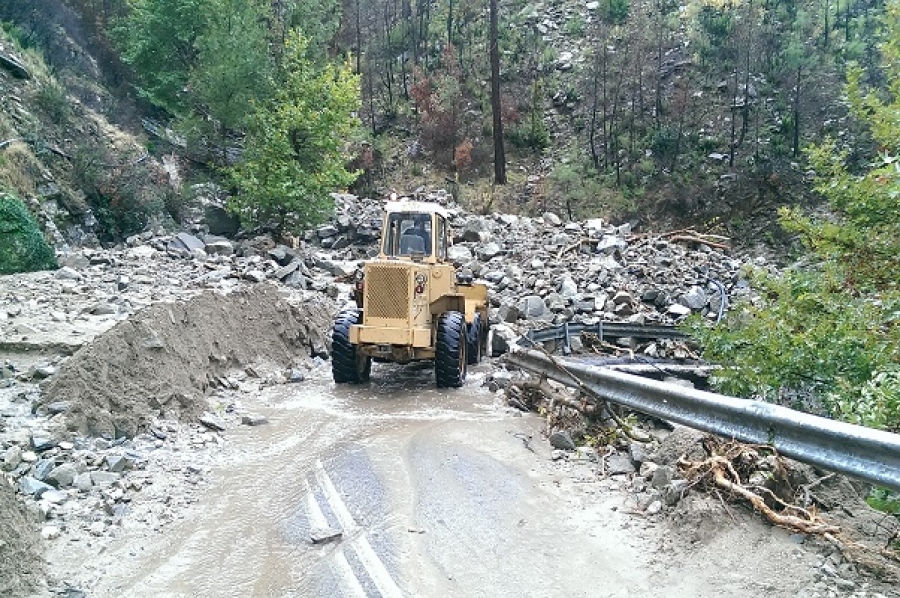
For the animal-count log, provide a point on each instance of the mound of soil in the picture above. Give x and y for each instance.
(21, 562)
(162, 361)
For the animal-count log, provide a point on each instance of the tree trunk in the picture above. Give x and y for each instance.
(499, 150)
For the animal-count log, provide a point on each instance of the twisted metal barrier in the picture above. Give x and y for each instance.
(864, 453)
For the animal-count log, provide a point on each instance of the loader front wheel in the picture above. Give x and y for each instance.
(450, 364)
(347, 364)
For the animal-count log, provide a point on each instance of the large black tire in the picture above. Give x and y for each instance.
(475, 340)
(450, 354)
(346, 364)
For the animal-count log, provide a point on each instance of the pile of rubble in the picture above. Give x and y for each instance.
(543, 271)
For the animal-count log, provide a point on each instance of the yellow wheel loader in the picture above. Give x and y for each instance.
(413, 305)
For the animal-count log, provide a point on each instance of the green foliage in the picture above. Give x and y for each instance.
(51, 99)
(233, 62)
(294, 153)
(22, 246)
(833, 328)
(158, 38)
(615, 12)
(123, 198)
(884, 500)
(532, 134)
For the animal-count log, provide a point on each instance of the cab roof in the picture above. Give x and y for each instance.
(416, 207)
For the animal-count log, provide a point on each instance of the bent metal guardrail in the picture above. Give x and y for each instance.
(868, 454)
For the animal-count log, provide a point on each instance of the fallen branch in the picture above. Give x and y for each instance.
(695, 239)
(725, 477)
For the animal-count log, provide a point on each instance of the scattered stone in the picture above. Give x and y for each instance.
(56, 497)
(654, 507)
(103, 479)
(97, 528)
(212, 422)
(254, 420)
(562, 440)
(662, 477)
(63, 476)
(325, 535)
(30, 486)
(618, 464)
(42, 441)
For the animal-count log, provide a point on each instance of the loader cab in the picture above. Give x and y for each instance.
(415, 233)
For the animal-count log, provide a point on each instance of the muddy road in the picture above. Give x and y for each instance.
(397, 489)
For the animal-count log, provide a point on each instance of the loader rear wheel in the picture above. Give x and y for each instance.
(450, 353)
(347, 364)
(475, 340)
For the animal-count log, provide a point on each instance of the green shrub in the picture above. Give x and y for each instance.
(52, 100)
(22, 246)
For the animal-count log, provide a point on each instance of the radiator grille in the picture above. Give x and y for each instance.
(387, 292)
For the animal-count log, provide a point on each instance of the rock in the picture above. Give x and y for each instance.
(678, 310)
(97, 528)
(83, 482)
(654, 507)
(487, 251)
(254, 420)
(551, 219)
(50, 532)
(532, 307)
(460, 255)
(638, 452)
(186, 243)
(212, 422)
(562, 440)
(254, 275)
(695, 298)
(30, 486)
(219, 221)
(102, 479)
(42, 441)
(118, 463)
(63, 476)
(477, 230)
(568, 288)
(662, 477)
(325, 535)
(220, 247)
(508, 313)
(617, 464)
(610, 244)
(15, 68)
(674, 491)
(648, 468)
(67, 273)
(11, 458)
(56, 497)
(42, 468)
(29, 457)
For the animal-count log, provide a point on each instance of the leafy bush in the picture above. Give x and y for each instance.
(295, 147)
(22, 246)
(51, 99)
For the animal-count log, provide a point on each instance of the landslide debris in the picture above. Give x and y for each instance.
(162, 361)
(21, 561)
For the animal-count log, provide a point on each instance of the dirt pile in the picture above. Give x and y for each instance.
(162, 361)
(21, 563)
